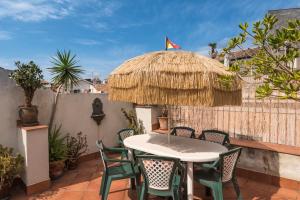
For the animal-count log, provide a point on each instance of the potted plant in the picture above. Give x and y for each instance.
(10, 167)
(57, 153)
(133, 122)
(76, 146)
(163, 119)
(29, 77)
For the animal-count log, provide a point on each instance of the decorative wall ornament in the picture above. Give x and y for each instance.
(98, 113)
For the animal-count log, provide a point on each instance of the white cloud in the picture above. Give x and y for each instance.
(4, 35)
(87, 42)
(33, 10)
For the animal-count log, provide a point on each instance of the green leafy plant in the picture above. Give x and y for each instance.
(66, 73)
(29, 77)
(76, 146)
(277, 50)
(57, 145)
(213, 52)
(133, 122)
(10, 167)
(164, 111)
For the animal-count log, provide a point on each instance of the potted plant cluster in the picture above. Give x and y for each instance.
(10, 167)
(76, 146)
(163, 119)
(133, 122)
(57, 153)
(29, 77)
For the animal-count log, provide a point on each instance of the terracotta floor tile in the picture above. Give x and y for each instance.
(79, 186)
(72, 195)
(90, 196)
(84, 183)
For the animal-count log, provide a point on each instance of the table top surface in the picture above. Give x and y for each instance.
(185, 149)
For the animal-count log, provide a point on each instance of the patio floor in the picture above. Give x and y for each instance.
(83, 184)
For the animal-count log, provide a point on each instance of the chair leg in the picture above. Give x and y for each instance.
(237, 188)
(217, 190)
(142, 192)
(103, 182)
(106, 189)
(176, 195)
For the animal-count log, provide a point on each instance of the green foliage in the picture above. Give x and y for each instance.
(133, 122)
(65, 70)
(213, 52)
(76, 146)
(65, 73)
(164, 111)
(57, 145)
(10, 166)
(29, 77)
(274, 60)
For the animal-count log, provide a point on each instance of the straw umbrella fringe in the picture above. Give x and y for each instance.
(174, 78)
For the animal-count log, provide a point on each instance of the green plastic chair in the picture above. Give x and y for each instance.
(183, 131)
(123, 134)
(161, 176)
(216, 136)
(123, 170)
(221, 171)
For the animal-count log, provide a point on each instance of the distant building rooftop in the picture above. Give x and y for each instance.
(284, 15)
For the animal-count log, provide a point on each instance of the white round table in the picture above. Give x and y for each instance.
(185, 149)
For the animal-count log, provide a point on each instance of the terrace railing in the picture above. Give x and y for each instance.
(267, 120)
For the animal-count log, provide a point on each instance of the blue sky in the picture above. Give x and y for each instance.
(103, 33)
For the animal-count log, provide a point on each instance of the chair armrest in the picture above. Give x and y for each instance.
(213, 165)
(116, 149)
(122, 161)
(118, 160)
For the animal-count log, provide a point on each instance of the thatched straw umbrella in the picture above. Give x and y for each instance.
(174, 78)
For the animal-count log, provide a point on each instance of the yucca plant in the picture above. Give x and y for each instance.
(66, 73)
(57, 145)
(57, 152)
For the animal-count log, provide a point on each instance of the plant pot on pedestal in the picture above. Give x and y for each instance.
(163, 123)
(29, 77)
(28, 115)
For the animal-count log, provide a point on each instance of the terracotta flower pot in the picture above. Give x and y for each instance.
(4, 192)
(28, 115)
(72, 164)
(56, 169)
(163, 123)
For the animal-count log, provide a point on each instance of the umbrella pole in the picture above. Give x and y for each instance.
(169, 128)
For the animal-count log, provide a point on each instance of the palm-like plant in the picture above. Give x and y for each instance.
(66, 73)
(213, 52)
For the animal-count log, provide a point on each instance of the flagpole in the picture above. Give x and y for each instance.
(166, 44)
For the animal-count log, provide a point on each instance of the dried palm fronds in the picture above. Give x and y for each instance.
(173, 78)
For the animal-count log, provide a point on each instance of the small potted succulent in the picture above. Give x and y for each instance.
(76, 146)
(57, 153)
(29, 77)
(163, 119)
(10, 167)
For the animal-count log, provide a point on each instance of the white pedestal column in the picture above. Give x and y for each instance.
(148, 115)
(33, 146)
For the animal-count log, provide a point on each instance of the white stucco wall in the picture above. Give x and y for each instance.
(73, 112)
(11, 96)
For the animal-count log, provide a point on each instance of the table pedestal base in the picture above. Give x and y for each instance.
(190, 180)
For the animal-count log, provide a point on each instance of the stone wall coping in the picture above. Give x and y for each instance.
(33, 128)
(280, 148)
